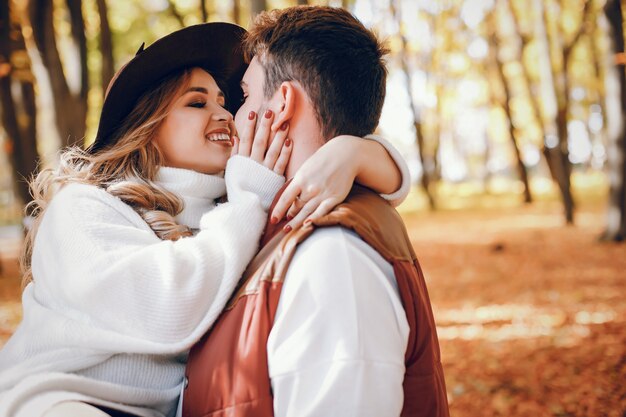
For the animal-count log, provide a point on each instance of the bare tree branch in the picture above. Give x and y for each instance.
(174, 11)
(106, 45)
(18, 114)
(504, 103)
(417, 124)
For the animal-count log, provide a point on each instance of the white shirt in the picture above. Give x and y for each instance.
(340, 334)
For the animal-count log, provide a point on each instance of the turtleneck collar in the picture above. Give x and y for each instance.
(198, 192)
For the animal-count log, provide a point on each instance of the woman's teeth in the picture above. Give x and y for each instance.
(218, 137)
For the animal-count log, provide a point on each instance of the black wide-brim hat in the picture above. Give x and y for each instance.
(214, 47)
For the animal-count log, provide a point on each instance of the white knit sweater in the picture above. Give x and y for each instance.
(113, 309)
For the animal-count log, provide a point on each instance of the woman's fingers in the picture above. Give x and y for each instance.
(273, 152)
(245, 139)
(307, 209)
(323, 209)
(283, 158)
(286, 199)
(261, 138)
(295, 207)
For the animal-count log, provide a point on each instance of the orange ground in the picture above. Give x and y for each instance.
(531, 314)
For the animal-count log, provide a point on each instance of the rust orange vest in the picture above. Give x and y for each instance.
(227, 369)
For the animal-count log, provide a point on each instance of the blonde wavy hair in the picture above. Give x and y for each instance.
(126, 170)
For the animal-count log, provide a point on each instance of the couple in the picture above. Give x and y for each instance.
(142, 290)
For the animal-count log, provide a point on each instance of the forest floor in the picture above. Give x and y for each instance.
(530, 313)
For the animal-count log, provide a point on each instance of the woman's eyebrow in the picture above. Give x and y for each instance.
(220, 93)
(198, 89)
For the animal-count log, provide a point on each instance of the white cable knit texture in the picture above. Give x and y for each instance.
(248, 173)
(113, 309)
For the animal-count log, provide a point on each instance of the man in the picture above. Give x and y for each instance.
(331, 319)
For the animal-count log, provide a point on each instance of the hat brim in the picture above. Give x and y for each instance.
(215, 47)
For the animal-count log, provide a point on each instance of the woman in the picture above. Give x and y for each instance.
(131, 259)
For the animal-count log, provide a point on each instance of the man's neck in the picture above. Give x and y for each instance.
(307, 139)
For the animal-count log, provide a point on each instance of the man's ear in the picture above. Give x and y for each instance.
(286, 100)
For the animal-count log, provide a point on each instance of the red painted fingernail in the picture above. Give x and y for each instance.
(287, 142)
(274, 220)
(251, 115)
(284, 126)
(268, 113)
(287, 229)
(289, 218)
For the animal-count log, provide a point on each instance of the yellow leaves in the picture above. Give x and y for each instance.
(535, 328)
(5, 69)
(457, 63)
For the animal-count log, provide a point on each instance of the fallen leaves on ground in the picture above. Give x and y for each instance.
(530, 313)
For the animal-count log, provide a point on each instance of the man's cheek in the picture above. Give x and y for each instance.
(240, 119)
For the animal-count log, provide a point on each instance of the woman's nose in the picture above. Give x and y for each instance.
(222, 115)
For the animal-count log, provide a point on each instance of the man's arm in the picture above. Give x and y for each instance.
(339, 338)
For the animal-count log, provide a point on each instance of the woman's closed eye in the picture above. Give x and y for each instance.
(200, 104)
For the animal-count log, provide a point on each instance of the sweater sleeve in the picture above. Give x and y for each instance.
(97, 260)
(396, 198)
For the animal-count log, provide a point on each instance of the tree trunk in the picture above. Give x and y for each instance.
(499, 70)
(236, 12)
(257, 6)
(106, 45)
(564, 102)
(599, 69)
(417, 124)
(70, 108)
(534, 98)
(616, 219)
(439, 69)
(203, 11)
(557, 156)
(17, 104)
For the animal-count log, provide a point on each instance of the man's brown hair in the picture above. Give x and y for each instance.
(338, 62)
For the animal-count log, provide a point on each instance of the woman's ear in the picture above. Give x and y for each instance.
(286, 97)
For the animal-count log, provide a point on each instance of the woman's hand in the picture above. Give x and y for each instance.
(322, 182)
(273, 154)
(327, 177)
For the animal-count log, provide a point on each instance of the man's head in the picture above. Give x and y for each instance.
(317, 68)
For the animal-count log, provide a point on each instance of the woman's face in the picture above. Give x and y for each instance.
(197, 132)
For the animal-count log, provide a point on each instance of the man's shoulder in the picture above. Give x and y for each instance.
(330, 254)
(326, 244)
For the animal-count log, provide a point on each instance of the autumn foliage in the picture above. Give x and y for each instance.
(531, 314)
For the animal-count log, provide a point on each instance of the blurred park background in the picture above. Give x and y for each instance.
(510, 115)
